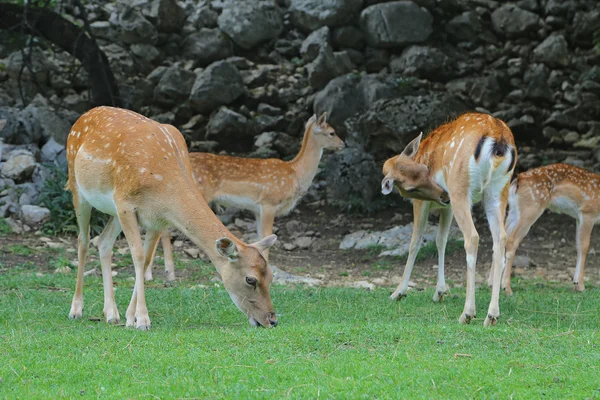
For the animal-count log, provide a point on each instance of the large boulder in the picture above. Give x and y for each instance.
(232, 130)
(513, 21)
(352, 177)
(207, 46)
(19, 167)
(350, 94)
(133, 27)
(328, 65)
(553, 51)
(485, 91)
(34, 215)
(167, 15)
(174, 86)
(422, 61)
(312, 45)
(395, 24)
(219, 84)
(310, 15)
(251, 22)
(389, 125)
(464, 27)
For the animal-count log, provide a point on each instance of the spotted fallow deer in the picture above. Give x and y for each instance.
(471, 158)
(267, 187)
(138, 171)
(561, 188)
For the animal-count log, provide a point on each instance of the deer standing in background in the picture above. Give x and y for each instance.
(267, 187)
(563, 189)
(138, 171)
(471, 159)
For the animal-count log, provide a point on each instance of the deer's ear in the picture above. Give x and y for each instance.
(265, 242)
(322, 119)
(227, 248)
(413, 147)
(312, 120)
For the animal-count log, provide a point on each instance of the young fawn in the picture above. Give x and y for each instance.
(267, 187)
(471, 159)
(561, 188)
(138, 171)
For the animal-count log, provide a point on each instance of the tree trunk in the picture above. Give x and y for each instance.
(51, 26)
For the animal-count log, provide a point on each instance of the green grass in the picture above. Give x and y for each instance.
(5, 229)
(330, 343)
(19, 249)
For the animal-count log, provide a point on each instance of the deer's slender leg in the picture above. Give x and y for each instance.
(421, 212)
(165, 239)
(495, 209)
(106, 243)
(585, 225)
(265, 220)
(526, 219)
(83, 211)
(440, 241)
(461, 206)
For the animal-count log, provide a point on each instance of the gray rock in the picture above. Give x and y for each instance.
(360, 285)
(352, 177)
(121, 60)
(312, 45)
(303, 242)
(422, 61)
(485, 91)
(251, 22)
(537, 83)
(395, 24)
(310, 15)
(145, 55)
(167, 15)
(134, 28)
(174, 86)
(328, 65)
(39, 66)
(553, 51)
(19, 167)
(51, 150)
(202, 17)
(348, 37)
(389, 125)
(104, 30)
(207, 46)
(219, 84)
(585, 25)
(29, 194)
(231, 130)
(513, 21)
(464, 27)
(285, 278)
(34, 215)
(350, 94)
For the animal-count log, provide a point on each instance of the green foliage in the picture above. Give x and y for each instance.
(5, 229)
(60, 203)
(19, 249)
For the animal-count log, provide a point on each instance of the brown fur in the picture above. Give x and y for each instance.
(138, 170)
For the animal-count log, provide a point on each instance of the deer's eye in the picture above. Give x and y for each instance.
(251, 281)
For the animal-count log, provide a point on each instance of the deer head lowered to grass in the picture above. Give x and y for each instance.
(138, 171)
(471, 158)
(267, 187)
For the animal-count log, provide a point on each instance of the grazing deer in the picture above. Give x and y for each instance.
(268, 187)
(471, 158)
(138, 171)
(561, 188)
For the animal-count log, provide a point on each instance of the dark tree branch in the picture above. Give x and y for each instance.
(51, 26)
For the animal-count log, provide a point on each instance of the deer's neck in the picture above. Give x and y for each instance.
(306, 163)
(191, 215)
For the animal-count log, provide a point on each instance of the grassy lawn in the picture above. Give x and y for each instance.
(330, 343)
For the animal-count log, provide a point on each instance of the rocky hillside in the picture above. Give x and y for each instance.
(242, 76)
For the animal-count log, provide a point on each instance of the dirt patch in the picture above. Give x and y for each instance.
(550, 245)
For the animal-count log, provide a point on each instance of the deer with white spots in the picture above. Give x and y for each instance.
(560, 188)
(465, 161)
(267, 187)
(138, 171)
